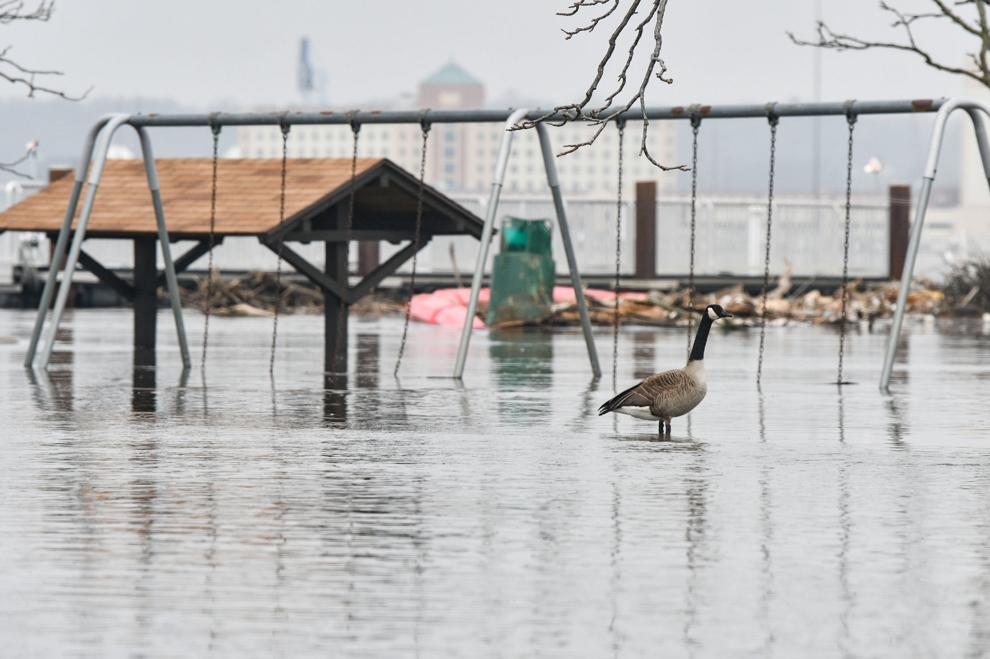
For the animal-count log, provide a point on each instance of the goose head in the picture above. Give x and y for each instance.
(715, 311)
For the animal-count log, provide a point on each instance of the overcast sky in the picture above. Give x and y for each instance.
(224, 53)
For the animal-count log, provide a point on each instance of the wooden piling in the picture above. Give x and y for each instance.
(646, 229)
(145, 293)
(899, 228)
(336, 311)
(368, 256)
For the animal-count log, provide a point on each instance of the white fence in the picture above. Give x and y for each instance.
(730, 235)
(730, 239)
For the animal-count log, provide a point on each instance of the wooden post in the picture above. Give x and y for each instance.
(335, 321)
(145, 293)
(899, 228)
(368, 256)
(646, 229)
(56, 173)
(336, 312)
(143, 392)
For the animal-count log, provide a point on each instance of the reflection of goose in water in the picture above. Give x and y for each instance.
(672, 393)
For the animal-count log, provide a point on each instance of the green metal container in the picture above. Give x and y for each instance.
(521, 235)
(523, 274)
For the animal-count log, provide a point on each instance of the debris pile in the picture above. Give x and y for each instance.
(252, 295)
(813, 306)
(967, 287)
(255, 294)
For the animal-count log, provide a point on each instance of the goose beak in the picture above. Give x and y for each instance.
(727, 315)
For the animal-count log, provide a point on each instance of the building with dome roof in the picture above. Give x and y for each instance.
(451, 87)
(461, 157)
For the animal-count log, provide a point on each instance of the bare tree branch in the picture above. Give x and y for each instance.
(580, 4)
(655, 61)
(13, 10)
(14, 72)
(19, 75)
(981, 11)
(904, 21)
(599, 117)
(11, 167)
(594, 22)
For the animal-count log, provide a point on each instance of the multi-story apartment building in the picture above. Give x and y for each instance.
(461, 158)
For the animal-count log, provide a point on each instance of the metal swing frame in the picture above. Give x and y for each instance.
(91, 166)
(553, 181)
(97, 144)
(979, 114)
(93, 160)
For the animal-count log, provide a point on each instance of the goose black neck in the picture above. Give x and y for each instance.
(700, 339)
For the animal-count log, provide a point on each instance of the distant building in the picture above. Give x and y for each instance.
(451, 87)
(461, 158)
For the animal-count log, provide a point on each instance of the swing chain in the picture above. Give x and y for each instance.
(773, 119)
(285, 127)
(695, 126)
(425, 128)
(215, 129)
(851, 120)
(621, 125)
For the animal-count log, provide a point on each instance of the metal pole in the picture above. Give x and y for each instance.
(681, 112)
(550, 164)
(170, 278)
(96, 172)
(63, 238)
(976, 112)
(501, 164)
(979, 117)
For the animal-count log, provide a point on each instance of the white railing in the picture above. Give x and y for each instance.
(730, 235)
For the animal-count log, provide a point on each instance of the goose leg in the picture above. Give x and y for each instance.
(660, 429)
(667, 423)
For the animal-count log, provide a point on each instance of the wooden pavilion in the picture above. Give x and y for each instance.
(317, 201)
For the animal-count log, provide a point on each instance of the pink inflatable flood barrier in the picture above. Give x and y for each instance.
(448, 306)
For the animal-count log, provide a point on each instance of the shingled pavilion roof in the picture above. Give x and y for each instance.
(247, 199)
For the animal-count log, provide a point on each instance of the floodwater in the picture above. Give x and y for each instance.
(141, 516)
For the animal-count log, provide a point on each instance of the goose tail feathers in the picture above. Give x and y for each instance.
(616, 402)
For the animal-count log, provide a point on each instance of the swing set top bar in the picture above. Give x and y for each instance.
(358, 117)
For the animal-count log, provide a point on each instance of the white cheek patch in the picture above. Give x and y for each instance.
(712, 314)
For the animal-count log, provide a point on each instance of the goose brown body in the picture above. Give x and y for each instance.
(662, 396)
(672, 393)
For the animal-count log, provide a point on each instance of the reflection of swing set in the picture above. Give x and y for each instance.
(98, 141)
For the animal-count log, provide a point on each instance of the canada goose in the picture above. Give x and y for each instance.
(671, 393)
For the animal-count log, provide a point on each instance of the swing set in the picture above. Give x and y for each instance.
(90, 170)
(696, 114)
